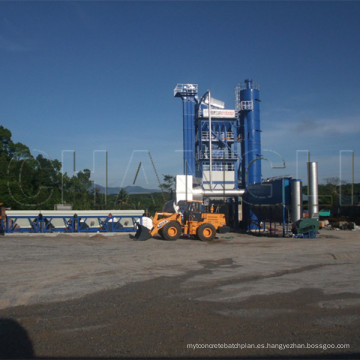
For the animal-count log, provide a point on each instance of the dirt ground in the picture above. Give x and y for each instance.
(239, 296)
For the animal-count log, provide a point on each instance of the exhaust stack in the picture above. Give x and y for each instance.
(312, 168)
(296, 200)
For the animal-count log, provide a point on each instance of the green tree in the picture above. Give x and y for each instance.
(168, 186)
(29, 183)
(169, 183)
(123, 200)
(6, 144)
(81, 189)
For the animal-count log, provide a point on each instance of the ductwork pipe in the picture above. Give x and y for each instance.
(185, 190)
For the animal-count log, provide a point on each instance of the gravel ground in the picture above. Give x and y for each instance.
(238, 296)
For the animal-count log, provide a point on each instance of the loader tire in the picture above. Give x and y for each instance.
(206, 232)
(171, 231)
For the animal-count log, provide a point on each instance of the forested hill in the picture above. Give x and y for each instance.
(28, 182)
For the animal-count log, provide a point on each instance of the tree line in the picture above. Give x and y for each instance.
(336, 192)
(28, 182)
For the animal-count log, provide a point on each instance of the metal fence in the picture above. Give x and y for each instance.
(69, 224)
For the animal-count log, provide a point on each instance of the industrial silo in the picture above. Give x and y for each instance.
(296, 200)
(248, 107)
(249, 114)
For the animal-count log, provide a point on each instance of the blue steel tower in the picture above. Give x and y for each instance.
(248, 107)
(223, 150)
(249, 113)
(188, 93)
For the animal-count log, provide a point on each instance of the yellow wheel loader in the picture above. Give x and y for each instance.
(192, 221)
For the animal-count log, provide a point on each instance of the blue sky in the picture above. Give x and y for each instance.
(95, 76)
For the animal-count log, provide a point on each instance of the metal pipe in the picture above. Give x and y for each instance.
(296, 200)
(352, 178)
(185, 193)
(308, 160)
(106, 177)
(210, 140)
(313, 189)
(224, 179)
(218, 193)
(186, 181)
(283, 205)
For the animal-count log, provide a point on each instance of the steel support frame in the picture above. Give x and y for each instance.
(72, 224)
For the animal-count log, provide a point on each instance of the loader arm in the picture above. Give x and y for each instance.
(161, 219)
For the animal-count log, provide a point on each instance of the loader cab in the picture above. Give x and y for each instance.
(193, 211)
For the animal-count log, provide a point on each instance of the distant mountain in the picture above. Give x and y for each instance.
(129, 189)
(139, 190)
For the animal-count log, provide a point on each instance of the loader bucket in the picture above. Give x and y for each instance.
(142, 233)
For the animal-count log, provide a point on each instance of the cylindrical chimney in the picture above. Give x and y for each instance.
(313, 189)
(296, 200)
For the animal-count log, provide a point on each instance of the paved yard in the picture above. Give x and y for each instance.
(100, 295)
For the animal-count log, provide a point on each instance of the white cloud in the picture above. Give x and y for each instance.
(325, 138)
(328, 126)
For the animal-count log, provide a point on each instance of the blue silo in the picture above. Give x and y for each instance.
(249, 114)
(188, 93)
(248, 106)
